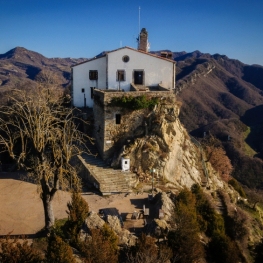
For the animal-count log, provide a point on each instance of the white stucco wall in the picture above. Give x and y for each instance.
(81, 81)
(156, 70)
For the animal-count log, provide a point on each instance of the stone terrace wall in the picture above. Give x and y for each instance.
(105, 96)
(110, 137)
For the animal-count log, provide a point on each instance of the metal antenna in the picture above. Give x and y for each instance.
(139, 19)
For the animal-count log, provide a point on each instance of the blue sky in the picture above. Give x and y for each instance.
(84, 28)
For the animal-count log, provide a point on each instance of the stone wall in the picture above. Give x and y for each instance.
(111, 136)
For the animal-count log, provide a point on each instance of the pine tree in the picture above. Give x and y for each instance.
(14, 251)
(58, 251)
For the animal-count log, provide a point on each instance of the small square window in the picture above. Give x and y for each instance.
(118, 118)
(82, 90)
(93, 74)
(120, 75)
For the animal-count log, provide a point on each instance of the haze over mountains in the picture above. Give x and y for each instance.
(221, 96)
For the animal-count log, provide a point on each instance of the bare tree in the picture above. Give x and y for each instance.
(217, 156)
(48, 78)
(42, 137)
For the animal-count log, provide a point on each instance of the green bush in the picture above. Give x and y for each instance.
(184, 239)
(101, 247)
(222, 249)
(60, 228)
(146, 250)
(209, 221)
(134, 103)
(15, 251)
(259, 252)
(77, 211)
(234, 183)
(58, 251)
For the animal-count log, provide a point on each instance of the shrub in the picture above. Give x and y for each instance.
(222, 249)
(220, 162)
(208, 219)
(77, 211)
(101, 247)
(134, 103)
(147, 251)
(234, 183)
(259, 252)
(60, 228)
(13, 251)
(236, 225)
(58, 251)
(184, 238)
(203, 209)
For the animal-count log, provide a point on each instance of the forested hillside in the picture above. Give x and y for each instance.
(224, 98)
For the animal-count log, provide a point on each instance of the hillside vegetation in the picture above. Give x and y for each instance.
(224, 98)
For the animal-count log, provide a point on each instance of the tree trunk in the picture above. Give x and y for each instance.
(48, 210)
(47, 196)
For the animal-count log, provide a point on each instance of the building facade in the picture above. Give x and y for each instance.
(118, 69)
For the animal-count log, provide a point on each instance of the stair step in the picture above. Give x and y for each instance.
(110, 180)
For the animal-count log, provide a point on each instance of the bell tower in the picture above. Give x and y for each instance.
(143, 40)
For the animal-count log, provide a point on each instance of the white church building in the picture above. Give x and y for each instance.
(119, 70)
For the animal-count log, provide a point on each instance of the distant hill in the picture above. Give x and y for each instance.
(20, 65)
(224, 97)
(221, 96)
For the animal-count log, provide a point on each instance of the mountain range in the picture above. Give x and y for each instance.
(22, 65)
(221, 97)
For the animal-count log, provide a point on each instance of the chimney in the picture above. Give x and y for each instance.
(143, 40)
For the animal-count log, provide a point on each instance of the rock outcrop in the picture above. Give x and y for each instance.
(94, 221)
(166, 149)
(164, 202)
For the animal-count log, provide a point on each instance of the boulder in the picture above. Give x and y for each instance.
(157, 228)
(125, 236)
(114, 223)
(164, 202)
(93, 221)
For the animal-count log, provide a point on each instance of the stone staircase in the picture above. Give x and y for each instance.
(95, 171)
(219, 205)
(106, 179)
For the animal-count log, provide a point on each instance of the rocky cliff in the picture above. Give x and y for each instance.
(166, 151)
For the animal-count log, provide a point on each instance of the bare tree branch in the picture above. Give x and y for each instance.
(42, 137)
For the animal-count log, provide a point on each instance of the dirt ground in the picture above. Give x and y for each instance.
(21, 210)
